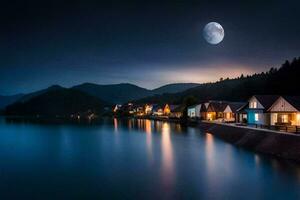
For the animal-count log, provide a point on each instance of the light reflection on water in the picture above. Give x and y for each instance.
(167, 157)
(148, 130)
(137, 159)
(209, 151)
(116, 124)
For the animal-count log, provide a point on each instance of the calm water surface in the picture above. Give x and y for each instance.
(141, 159)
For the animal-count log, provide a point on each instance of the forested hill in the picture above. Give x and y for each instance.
(121, 93)
(282, 81)
(6, 100)
(57, 102)
(112, 93)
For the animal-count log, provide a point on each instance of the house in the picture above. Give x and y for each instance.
(172, 111)
(157, 110)
(285, 111)
(128, 109)
(257, 111)
(117, 108)
(149, 109)
(215, 110)
(167, 109)
(203, 110)
(241, 114)
(194, 111)
(230, 111)
(176, 112)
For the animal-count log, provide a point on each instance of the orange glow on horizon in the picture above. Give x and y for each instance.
(211, 73)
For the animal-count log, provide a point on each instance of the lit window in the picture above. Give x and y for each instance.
(208, 116)
(298, 119)
(228, 115)
(284, 118)
(193, 114)
(254, 104)
(256, 117)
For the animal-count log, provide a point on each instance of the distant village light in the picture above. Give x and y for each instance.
(167, 109)
(117, 107)
(148, 109)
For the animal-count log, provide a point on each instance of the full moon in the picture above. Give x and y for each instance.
(213, 33)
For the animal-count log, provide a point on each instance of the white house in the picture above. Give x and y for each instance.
(285, 111)
(231, 111)
(194, 111)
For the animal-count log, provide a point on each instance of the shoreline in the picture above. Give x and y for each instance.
(268, 142)
(280, 145)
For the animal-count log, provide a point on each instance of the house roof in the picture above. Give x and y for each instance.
(293, 100)
(266, 100)
(243, 108)
(203, 108)
(235, 106)
(193, 106)
(217, 106)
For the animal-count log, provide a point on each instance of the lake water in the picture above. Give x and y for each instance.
(134, 159)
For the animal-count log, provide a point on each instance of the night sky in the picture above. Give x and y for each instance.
(145, 43)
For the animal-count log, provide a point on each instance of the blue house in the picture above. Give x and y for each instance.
(257, 111)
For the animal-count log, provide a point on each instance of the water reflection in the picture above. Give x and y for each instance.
(116, 130)
(65, 141)
(66, 147)
(257, 160)
(209, 151)
(116, 125)
(218, 166)
(167, 156)
(130, 122)
(149, 155)
(178, 128)
(148, 128)
(228, 161)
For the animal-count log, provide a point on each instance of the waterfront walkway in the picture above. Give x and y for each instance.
(252, 128)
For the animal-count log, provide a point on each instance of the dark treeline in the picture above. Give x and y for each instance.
(282, 81)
